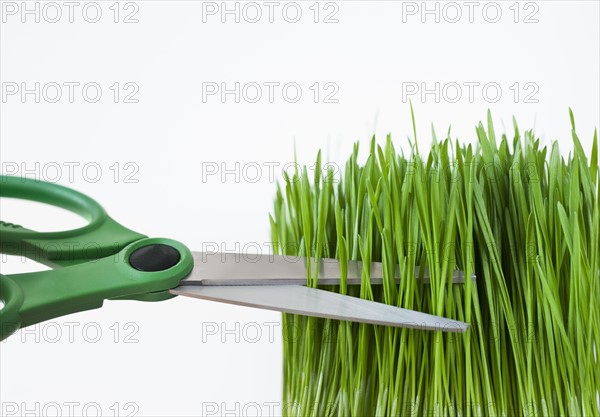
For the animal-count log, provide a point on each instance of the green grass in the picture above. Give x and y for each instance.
(520, 215)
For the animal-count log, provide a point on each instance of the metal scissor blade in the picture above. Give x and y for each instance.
(226, 268)
(297, 299)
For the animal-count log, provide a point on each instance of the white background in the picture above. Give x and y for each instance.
(173, 134)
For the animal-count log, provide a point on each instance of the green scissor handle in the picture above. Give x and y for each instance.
(99, 261)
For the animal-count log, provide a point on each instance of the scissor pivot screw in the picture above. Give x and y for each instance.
(155, 257)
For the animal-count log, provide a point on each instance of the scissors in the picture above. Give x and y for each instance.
(106, 261)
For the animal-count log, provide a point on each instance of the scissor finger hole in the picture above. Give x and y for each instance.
(37, 216)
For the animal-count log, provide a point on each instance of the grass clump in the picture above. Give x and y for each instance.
(520, 215)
